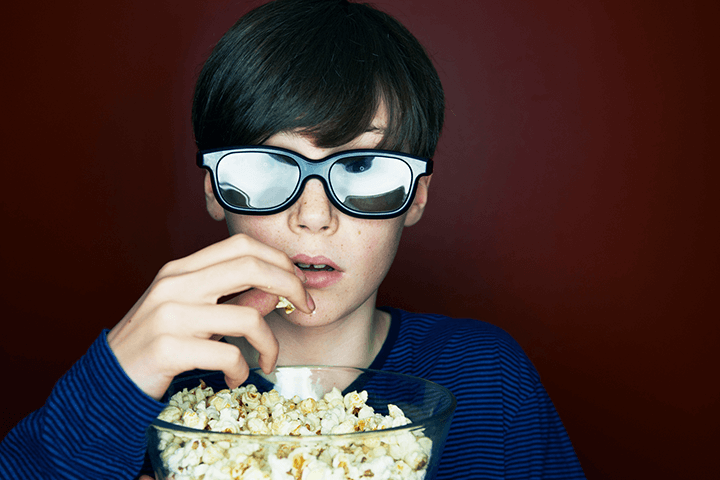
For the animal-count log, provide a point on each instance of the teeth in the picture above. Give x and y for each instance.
(319, 266)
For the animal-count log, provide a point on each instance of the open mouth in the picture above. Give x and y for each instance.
(311, 267)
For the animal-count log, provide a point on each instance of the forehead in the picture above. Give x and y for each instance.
(305, 143)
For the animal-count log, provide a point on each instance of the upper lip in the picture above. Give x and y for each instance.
(314, 260)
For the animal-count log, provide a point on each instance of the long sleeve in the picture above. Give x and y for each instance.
(536, 443)
(92, 425)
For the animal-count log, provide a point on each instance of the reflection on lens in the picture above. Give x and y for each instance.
(256, 179)
(371, 183)
(377, 203)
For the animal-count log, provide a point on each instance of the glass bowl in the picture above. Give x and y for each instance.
(405, 451)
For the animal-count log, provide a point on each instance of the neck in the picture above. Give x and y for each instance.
(354, 340)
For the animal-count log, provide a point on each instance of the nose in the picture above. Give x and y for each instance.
(313, 212)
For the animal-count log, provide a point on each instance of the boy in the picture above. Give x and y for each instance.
(295, 81)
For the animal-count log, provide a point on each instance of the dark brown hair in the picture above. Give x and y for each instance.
(322, 68)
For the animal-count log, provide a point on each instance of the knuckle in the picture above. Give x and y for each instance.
(238, 370)
(163, 287)
(285, 261)
(240, 240)
(250, 264)
(165, 319)
(232, 361)
(163, 346)
(166, 312)
(235, 357)
(253, 320)
(169, 269)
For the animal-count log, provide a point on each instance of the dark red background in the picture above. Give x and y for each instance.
(572, 201)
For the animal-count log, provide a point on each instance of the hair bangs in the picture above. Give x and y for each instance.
(320, 68)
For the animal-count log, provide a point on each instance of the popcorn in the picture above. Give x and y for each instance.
(286, 304)
(194, 420)
(245, 411)
(308, 405)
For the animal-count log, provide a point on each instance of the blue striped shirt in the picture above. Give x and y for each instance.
(505, 426)
(91, 427)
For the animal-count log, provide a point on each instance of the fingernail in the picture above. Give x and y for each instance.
(310, 301)
(300, 274)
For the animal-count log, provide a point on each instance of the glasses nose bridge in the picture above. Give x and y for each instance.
(318, 169)
(313, 208)
(305, 179)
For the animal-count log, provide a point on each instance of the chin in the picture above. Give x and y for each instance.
(319, 319)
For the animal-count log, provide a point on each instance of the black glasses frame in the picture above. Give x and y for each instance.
(320, 169)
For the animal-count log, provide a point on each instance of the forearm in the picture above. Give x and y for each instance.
(92, 425)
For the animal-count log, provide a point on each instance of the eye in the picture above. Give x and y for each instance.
(358, 165)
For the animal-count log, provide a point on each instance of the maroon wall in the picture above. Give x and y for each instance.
(571, 203)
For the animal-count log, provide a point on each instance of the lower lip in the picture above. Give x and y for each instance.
(322, 278)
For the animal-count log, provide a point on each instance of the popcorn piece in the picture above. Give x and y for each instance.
(394, 411)
(354, 400)
(257, 426)
(171, 414)
(226, 425)
(416, 460)
(193, 419)
(333, 397)
(344, 427)
(308, 405)
(271, 399)
(251, 400)
(212, 454)
(286, 304)
(222, 400)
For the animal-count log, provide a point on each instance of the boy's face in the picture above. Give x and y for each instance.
(359, 252)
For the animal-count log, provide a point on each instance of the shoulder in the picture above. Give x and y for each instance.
(498, 393)
(435, 329)
(464, 346)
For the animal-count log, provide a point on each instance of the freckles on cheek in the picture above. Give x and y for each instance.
(380, 249)
(256, 227)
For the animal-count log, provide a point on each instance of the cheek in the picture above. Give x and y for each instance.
(380, 245)
(261, 228)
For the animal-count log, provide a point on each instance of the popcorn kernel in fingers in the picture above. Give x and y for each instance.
(286, 304)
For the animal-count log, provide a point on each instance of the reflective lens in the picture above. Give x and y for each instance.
(257, 179)
(371, 183)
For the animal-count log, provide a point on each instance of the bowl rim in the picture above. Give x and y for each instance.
(443, 415)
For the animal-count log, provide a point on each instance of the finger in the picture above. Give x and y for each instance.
(188, 353)
(241, 274)
(261, 301)
(229, 278)
(207, 322)
(235, 246)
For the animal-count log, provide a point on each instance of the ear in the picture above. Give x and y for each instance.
(417, 208)
(211, 203)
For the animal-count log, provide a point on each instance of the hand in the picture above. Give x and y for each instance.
(172, 328)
